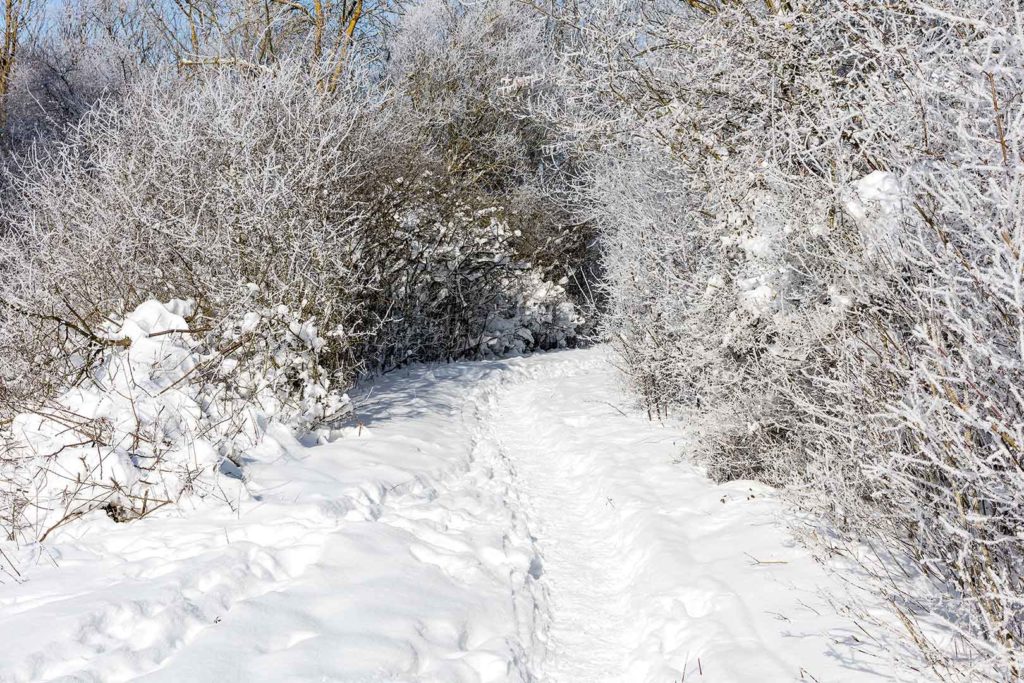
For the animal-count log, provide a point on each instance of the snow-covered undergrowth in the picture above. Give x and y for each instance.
(303, 237)
(160, 410)
(158, 413)
(814, 243)
(485, 522)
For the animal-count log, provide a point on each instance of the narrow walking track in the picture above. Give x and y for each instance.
(647, 566)
(484, 522)
(585, 568)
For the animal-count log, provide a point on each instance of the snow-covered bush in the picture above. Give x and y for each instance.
(89, 50)
(950, 478)
(470, 71)
(445, 267)
(476, 78)
(157, 411)
(218, 186)
(533, 314)
(315, 235)
(812, 237)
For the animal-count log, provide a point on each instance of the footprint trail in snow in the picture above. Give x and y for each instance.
(497, 521)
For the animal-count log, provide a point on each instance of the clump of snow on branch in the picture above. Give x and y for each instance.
(160, 412)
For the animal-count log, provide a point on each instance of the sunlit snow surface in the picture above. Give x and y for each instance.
(498, 521)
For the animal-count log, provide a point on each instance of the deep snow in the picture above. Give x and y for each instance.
(497, 521)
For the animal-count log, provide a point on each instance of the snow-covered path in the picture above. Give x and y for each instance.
(500, 521)
(585, 568)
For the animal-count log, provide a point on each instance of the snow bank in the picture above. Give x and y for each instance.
(157, 412)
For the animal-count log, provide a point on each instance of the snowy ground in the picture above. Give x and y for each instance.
(500, 521)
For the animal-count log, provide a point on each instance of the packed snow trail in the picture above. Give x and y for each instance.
(585, 566)
(497, 521)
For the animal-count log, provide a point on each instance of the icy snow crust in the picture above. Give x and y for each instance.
(494, 521)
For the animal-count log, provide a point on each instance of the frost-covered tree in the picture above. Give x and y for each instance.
(478, 77)
(303, 235)
(810, 219)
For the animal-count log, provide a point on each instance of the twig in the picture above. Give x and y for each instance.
(756, 561)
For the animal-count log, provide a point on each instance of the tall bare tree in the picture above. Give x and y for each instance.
(15, 18)
(256, 33)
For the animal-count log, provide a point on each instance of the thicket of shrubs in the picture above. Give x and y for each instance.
(809, 217)
(813, 233)
(275, 231)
